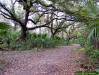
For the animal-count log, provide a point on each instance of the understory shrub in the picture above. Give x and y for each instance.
(93, 55)
(33, 40)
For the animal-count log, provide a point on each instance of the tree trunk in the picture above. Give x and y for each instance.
(24, 26)
(53, 34)
(23, 33)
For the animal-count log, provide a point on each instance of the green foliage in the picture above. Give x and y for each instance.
(3, 28)
(4, 25)
(43, 41)
(81, 41)
(77, 34)
(33, 40)
(93, 55)
(97, 70)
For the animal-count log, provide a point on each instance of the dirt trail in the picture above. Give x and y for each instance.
(60, 61)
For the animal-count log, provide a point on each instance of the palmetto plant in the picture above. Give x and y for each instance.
(88, 13)
(3, 27)
(91, 13)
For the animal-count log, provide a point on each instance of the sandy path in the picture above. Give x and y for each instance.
(60, 61)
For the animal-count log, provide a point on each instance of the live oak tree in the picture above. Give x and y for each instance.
(30, 8)
(41, 8)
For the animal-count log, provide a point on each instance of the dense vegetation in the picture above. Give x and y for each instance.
(77, 19)
(10, 41)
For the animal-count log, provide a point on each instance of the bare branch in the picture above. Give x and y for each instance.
(44, 25)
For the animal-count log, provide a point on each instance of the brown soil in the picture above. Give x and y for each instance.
(58, 61)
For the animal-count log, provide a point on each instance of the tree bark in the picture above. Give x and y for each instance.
(52, 32)
(24, 26)
(23, 33)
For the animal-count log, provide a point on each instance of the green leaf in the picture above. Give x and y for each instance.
(77, 34)
(82, 49)
(97, 70)
(4, 25)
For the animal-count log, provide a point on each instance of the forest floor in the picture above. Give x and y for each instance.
(58, 61)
